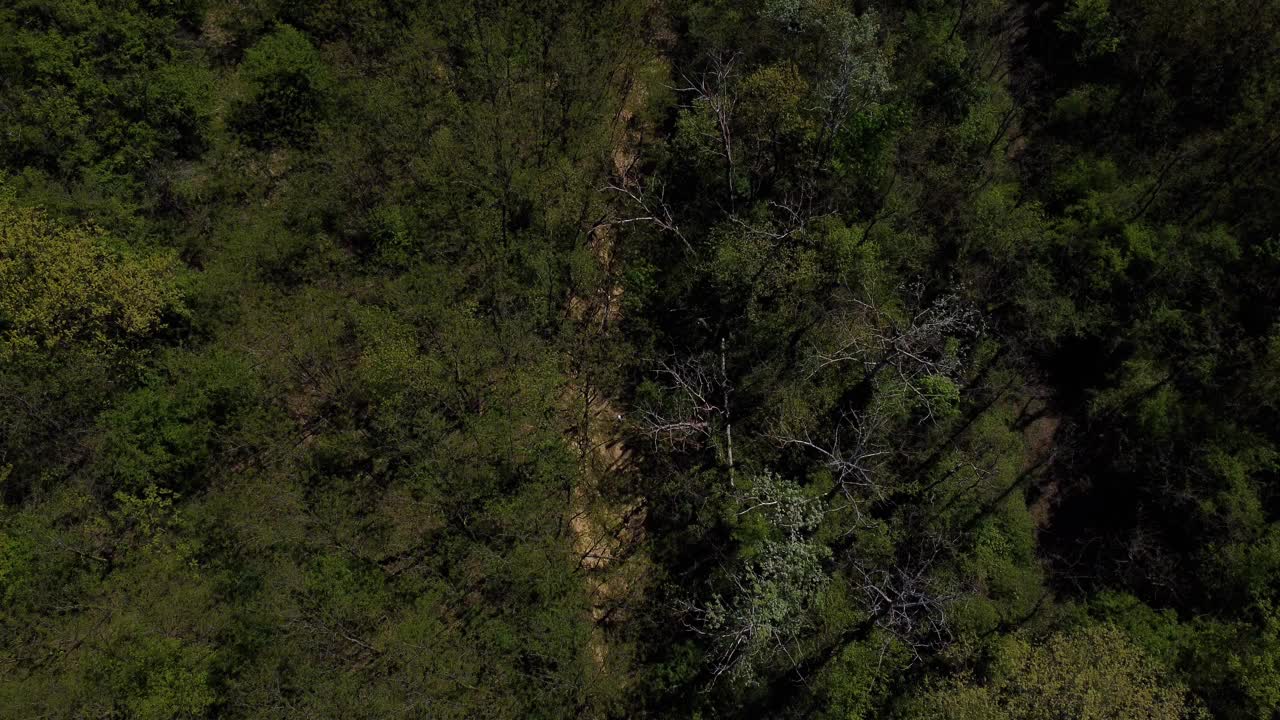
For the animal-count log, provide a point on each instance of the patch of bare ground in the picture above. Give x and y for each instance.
(1040, 426)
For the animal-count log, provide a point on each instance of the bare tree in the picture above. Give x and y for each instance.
(698, 407)
(907, 601)
(850, 452)
(713, 90)
(917, 351)
(649, 198)
(695, 390)
(790, 217)
(914, 344)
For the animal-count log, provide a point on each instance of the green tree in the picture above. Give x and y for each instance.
(290, 90)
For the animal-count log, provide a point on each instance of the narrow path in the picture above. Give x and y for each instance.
(607, 526)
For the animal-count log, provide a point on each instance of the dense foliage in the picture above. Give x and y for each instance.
(690, 358)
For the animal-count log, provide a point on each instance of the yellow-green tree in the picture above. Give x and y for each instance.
(1089, 674)
(68, 288)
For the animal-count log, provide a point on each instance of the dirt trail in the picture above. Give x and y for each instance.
(606, 524)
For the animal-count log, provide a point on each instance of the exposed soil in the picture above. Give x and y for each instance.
(607, 527)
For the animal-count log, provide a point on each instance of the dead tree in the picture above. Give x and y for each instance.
(914, 349)
(906, 601)
(913, 345)
(649, 198)
(713, 90)
(698, 404)
(850, 452)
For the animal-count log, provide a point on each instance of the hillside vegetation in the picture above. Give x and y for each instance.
(498, 359)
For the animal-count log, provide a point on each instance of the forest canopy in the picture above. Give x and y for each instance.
(899, 359)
